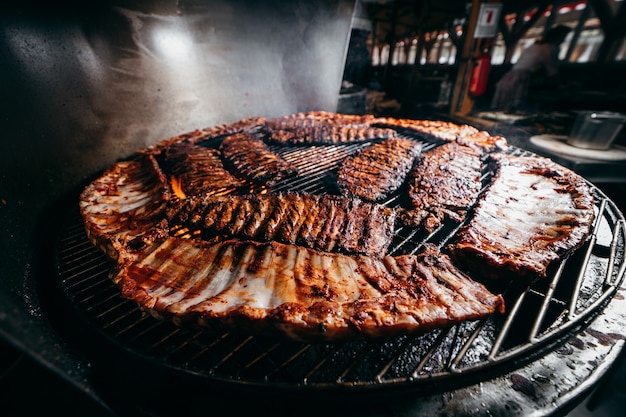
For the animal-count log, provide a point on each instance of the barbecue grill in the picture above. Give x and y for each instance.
(540, 317)
(99, 88)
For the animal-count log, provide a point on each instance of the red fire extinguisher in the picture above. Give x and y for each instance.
(480, 74)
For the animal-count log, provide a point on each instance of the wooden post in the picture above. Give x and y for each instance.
(462, 103)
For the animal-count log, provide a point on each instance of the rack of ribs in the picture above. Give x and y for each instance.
(301, 292)
(249, 157)
(377, 171)
(444, 183)
(323, 222)
(533, 212)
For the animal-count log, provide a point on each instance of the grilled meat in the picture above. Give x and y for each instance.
(315, 266)
(481, 141)
(534, 212)
(322, 135)
(439, 129)
(318, 117)
(301, 292)
(378, 170)
(444, 183)
(319, 128)
(198, 170)
(251, 158)
(328, 223)
(248, 125)
(125, 205)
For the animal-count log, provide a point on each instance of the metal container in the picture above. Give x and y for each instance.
(595, 130)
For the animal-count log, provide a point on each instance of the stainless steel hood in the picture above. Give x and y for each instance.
(83, 85)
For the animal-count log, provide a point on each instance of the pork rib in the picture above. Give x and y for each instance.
(317, 117)
(300, 292)
(251, 158)
(445, 183)
(198, 170)
(247, 125)
(378, 170)
(534, 212)
(320, 128)
(328, 223)
(127, 203)
(481, 141)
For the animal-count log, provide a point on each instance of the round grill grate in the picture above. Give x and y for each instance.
(538, 319)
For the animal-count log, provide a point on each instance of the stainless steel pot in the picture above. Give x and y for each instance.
(595, 129)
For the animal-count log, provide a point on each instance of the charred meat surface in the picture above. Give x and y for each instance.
(198, 170)
(481, 141)
(323, 135)
(320, 128)
(316, 117)
(323, 222)
(445, 183)
(190, 246)
(249, 125)
(127, 203)
(534, 212)
(252, 159)
(301, 292)
(377, 171)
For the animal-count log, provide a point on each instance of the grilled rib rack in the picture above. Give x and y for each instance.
(539, 317)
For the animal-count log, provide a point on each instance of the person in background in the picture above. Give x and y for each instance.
(512, 89)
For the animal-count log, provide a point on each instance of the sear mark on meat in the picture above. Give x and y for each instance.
(534, 212)
(481, 141)
(300, 292)
(445, 183)
(377, 171)
(252, 159)
(323, 222)
(207, 135)
(198, 170)
(318, 117)
(126, 205)
(323, 135)
(321, 128)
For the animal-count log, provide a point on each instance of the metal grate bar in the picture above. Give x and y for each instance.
(322, 361)
(133, 325)
(260, 357)
(394, 358)
(581, 274)
(506, 327)
(75, 278)
(153, 325)
(547, 299)
(75, 249)
(168, 336)
(207, 347)
(290, 359)
(403, 241)
(429, 354)
(620, 229)
(99, 295)
(101, 314)
(454, 364)
(356, 361)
